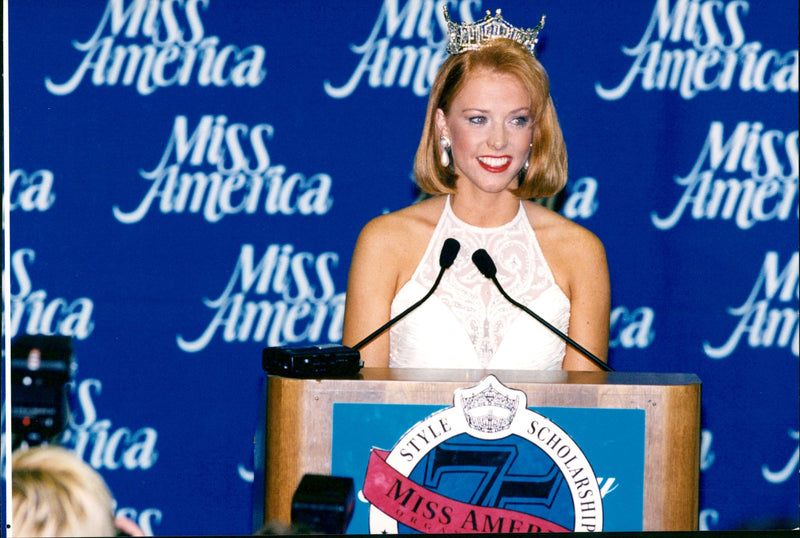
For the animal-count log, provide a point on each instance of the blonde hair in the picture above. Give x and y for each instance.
(55, 493)
(547, 168)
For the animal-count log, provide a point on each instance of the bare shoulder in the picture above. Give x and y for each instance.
(568, 247)
(403, 235)
(550, 227)
(416, 218)
(577, 259)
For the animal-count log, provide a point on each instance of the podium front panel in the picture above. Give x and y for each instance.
(300, 425)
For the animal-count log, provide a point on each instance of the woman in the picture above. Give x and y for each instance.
(491, 141)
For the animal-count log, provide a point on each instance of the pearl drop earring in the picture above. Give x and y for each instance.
(444, 142)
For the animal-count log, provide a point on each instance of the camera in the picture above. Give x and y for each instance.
(41, 367)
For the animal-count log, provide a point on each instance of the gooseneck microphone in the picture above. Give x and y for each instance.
(486, 266)
(446, 258)
(334, 360)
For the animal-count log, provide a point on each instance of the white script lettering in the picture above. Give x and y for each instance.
(607, 485)
(632, 329)
(32, 192)
(767, 190)
(764, 324)
(95, 442)
(707, 456)
(306, 300)
(790, 469)
(144, 518)
(582, 201)
(238, 178)
(44, 316)
(717, 58)
(708, 519)
(177, 52)
(386, 64)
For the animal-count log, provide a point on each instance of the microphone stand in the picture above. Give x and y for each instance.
(544, 322)
(337, 360)
(449, 252)
(486, 266)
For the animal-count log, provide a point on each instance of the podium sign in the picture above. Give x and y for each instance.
(508, 452)
(487, 464)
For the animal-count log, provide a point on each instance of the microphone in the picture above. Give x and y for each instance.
(486, 266)
(333, 360)
(446, 258)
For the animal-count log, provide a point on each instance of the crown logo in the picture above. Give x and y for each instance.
(472, 35)
(489, 411)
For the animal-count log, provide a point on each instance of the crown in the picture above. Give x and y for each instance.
(472, 35)
(489, 410)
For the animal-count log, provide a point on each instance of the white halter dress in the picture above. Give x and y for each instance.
(467, 323)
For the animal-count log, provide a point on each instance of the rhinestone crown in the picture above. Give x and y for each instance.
(472, 35)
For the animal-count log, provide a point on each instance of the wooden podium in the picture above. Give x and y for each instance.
(299, 418)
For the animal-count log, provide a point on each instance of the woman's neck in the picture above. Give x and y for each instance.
(485, 210)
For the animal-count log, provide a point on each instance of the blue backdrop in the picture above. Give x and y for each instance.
(185, 182)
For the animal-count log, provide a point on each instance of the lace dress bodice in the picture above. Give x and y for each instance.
(467, 323)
